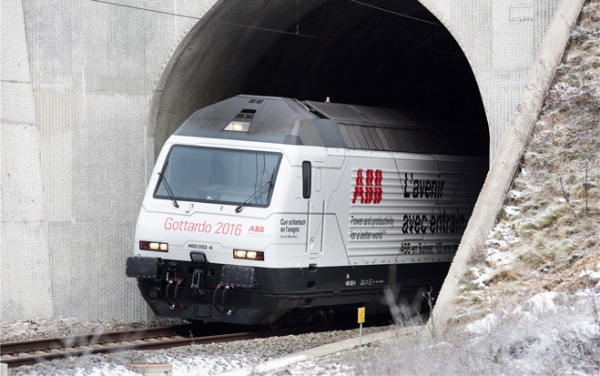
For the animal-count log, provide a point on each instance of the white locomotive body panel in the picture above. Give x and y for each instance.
(236, 228)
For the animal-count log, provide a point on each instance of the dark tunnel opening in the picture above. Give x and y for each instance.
(384, 53)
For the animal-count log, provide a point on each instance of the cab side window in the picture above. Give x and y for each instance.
(306, 179)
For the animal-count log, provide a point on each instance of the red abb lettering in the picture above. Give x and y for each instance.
(377, 195)
(372, 192)
(378, 177)
(369, 195)
(359, 177)
(369, 177)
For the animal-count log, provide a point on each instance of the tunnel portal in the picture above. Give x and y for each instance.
(384, 53)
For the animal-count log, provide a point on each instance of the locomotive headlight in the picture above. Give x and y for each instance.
(154, 246)
(237, 126)
(248, 255)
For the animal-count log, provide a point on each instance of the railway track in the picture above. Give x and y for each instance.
(21, 353)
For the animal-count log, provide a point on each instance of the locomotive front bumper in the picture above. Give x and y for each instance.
(151, 268)
(205, 291)
(141, 267)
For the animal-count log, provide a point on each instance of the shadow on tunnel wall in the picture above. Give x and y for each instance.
(385, 53)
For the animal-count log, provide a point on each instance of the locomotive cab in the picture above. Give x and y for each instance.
(202, 238)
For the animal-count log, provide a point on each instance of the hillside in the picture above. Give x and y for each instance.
(548, 234)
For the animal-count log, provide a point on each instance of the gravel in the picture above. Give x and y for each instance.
(210, 359)
(12, 331)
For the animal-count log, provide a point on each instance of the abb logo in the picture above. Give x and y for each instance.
(256, 229)
(370, 192)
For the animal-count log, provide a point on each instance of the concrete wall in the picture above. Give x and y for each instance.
(500, 38)
(25, 285)
(77, 81)
(78, 78)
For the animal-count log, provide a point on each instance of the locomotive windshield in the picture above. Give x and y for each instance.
(220, 176)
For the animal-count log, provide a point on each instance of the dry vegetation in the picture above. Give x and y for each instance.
(548, 234)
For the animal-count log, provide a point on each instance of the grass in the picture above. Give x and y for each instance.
(556, 185)
(505, 275)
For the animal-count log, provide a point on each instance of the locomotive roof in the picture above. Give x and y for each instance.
(332, 125)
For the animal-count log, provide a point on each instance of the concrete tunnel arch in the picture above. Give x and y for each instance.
(386, 53)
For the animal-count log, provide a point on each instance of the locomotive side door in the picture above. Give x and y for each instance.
(315, 210)
(326, 181)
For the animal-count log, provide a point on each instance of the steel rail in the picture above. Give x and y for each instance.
(16, 354)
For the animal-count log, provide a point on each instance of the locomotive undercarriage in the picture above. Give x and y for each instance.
(248, 295)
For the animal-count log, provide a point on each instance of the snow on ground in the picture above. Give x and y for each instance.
(211, 359)
(549, 334)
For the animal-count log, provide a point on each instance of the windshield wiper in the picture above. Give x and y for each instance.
(169, 191)
(259, 192)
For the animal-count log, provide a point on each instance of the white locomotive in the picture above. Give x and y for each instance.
(260, 206)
